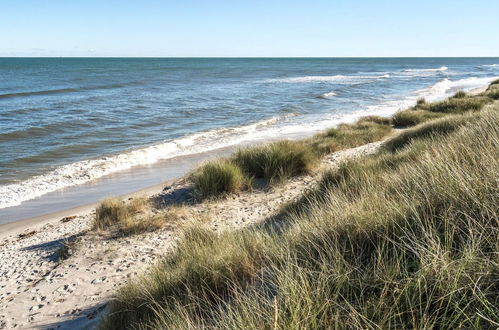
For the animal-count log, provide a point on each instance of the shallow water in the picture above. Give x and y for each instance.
(67, 122)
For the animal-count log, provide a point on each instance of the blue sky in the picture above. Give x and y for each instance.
(249, 28)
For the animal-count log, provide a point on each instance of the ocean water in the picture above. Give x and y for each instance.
(69, 121)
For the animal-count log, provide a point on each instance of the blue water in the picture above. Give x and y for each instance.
(68, 121)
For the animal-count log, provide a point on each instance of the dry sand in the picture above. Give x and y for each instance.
(42, 288)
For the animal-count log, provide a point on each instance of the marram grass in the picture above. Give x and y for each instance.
(218, 177)
(405, 239)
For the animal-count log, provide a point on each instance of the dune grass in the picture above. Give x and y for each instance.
(412, 117)
(460, 105)
(217, 178)
(110, 212)
(493, 92)
(276, 162)
(407, 238)
(460, 95)
(434, 128)
(279, 161)
(365, 130)
(126, 218)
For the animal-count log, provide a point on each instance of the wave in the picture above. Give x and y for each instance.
(327, 95)
(487, 67)
(440, 90)
(336, 78)
(283, 126)
(84, 171)
(63, 90)
(442, 68)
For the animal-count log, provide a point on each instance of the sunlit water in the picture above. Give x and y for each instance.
(69, 121)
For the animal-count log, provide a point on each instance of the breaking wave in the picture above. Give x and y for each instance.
(84, 171)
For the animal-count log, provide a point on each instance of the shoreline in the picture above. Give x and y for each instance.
(60, 273)
(31, 222)
(38, 290)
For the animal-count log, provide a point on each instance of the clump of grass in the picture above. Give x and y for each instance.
(206, 264)
(421, 102)
(279, 161)
(359, 133)
(403, 239)
(375, 119)
(459, 105)
(276, 162)
(432, 129)
(217, 178)
(410, 117)
(493, 93)
(365, 130)
(460, 95)
(113, 213)
(110, 212)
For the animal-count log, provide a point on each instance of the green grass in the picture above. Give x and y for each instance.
(407, 238)
(404, 239)
(411, 117)
(460, 95)
(493, 92)
(279, 161)
(365, 130)
(421, 102)
(362, 132)
(276, 162)
(217, 178)
(431, 129)
(111, 212)
(459, 105)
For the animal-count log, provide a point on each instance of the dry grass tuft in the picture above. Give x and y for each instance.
(218, 178)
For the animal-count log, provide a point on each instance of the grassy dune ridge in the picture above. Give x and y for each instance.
(278, 161)
(407, 238)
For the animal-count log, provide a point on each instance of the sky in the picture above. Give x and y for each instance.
(188, 28)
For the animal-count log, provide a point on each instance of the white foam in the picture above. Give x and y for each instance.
(87, 170)
(327, 95)
(336, 79)
(490, 65)
(442, 68)
(440, 90)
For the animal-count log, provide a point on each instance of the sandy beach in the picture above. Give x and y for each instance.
(57, 273)
(38, 290)
(249, 165)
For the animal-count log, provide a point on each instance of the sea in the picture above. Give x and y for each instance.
(74, 130)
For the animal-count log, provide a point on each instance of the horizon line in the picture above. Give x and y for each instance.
(256, 57)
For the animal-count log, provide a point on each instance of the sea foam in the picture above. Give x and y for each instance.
(334, 79)
(327, 95)
(442, 68)
(84, 171)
